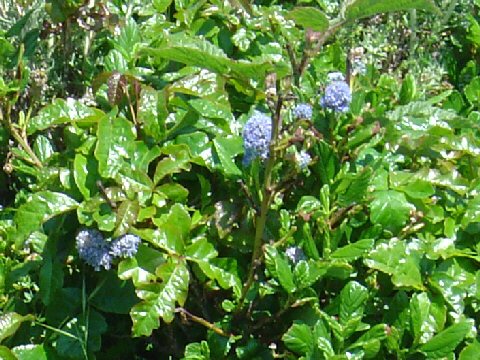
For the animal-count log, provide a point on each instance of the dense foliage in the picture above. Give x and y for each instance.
(239, 180)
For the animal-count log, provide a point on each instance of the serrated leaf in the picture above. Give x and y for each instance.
(390, 209)
(472, 92)
(115, 144)
(136, 184)
(394, 259)
(309, 17)
(227, 149)
(353, 251)
(201, 249)
(363, 8)
(352, 301)
(299, 338)
(159, 299)
(29, 352)
(173, 230)
(39, 208)
(279, 268)
(226, 278)
(201, 53)
(85, 173)
(445, 342)
(10, 322)
(422, 326)
(59, 112)
(127, 214)
(471, 351)
(141, 268)
(177, 161)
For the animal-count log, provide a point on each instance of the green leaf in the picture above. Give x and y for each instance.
(29, 352)
(352, 301)
(408, 89)
(141, 269)
(227, 149)
(39, 208)
(390, 209)
(177, 161)
(60, 112)
(114, 295)
(85, 335)
(127, 40)
(307, 273)
(471, 351)
(6, 353)
(201, 249)
(472, 92)
(393, 258)
(279, 268)
(173, 230)
(126, 217)
(136, 184)
(43, 148)
(309, 17)
(358, 9)
(226, 276)
(422, 326)
(85, 173)
(51, 279)
(197, 351)
(10, 322)
(353, 251)
(444, 343)
(299, 338)
(160, 298)
(149, 114)
(115, 143)
(199, 52)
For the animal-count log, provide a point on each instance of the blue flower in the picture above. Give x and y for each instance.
(295, 254)
(257, 135)
(303, 159)
(93, 249)
(303, 111)
(337, 96)
(125, 246)
(335, 76)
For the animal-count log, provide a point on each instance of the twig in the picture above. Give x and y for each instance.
(203, 322)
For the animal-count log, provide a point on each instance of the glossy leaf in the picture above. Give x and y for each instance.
(10, 322)
(299, 338)
(445, 342)
(60, 112)
(114, 144)
(390, 209)
(358, 9)
(41, 207)
(309, 17)
(173, 230)
(159, 299)
(29, 352)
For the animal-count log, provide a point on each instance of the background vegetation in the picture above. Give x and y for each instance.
(357, 237)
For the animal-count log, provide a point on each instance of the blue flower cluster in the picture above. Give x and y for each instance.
(337, 94)
(303, 159)
(125, 246)
(97, 252)
(302, 111)
(295, 254)
(257, 135)
(93, 249)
